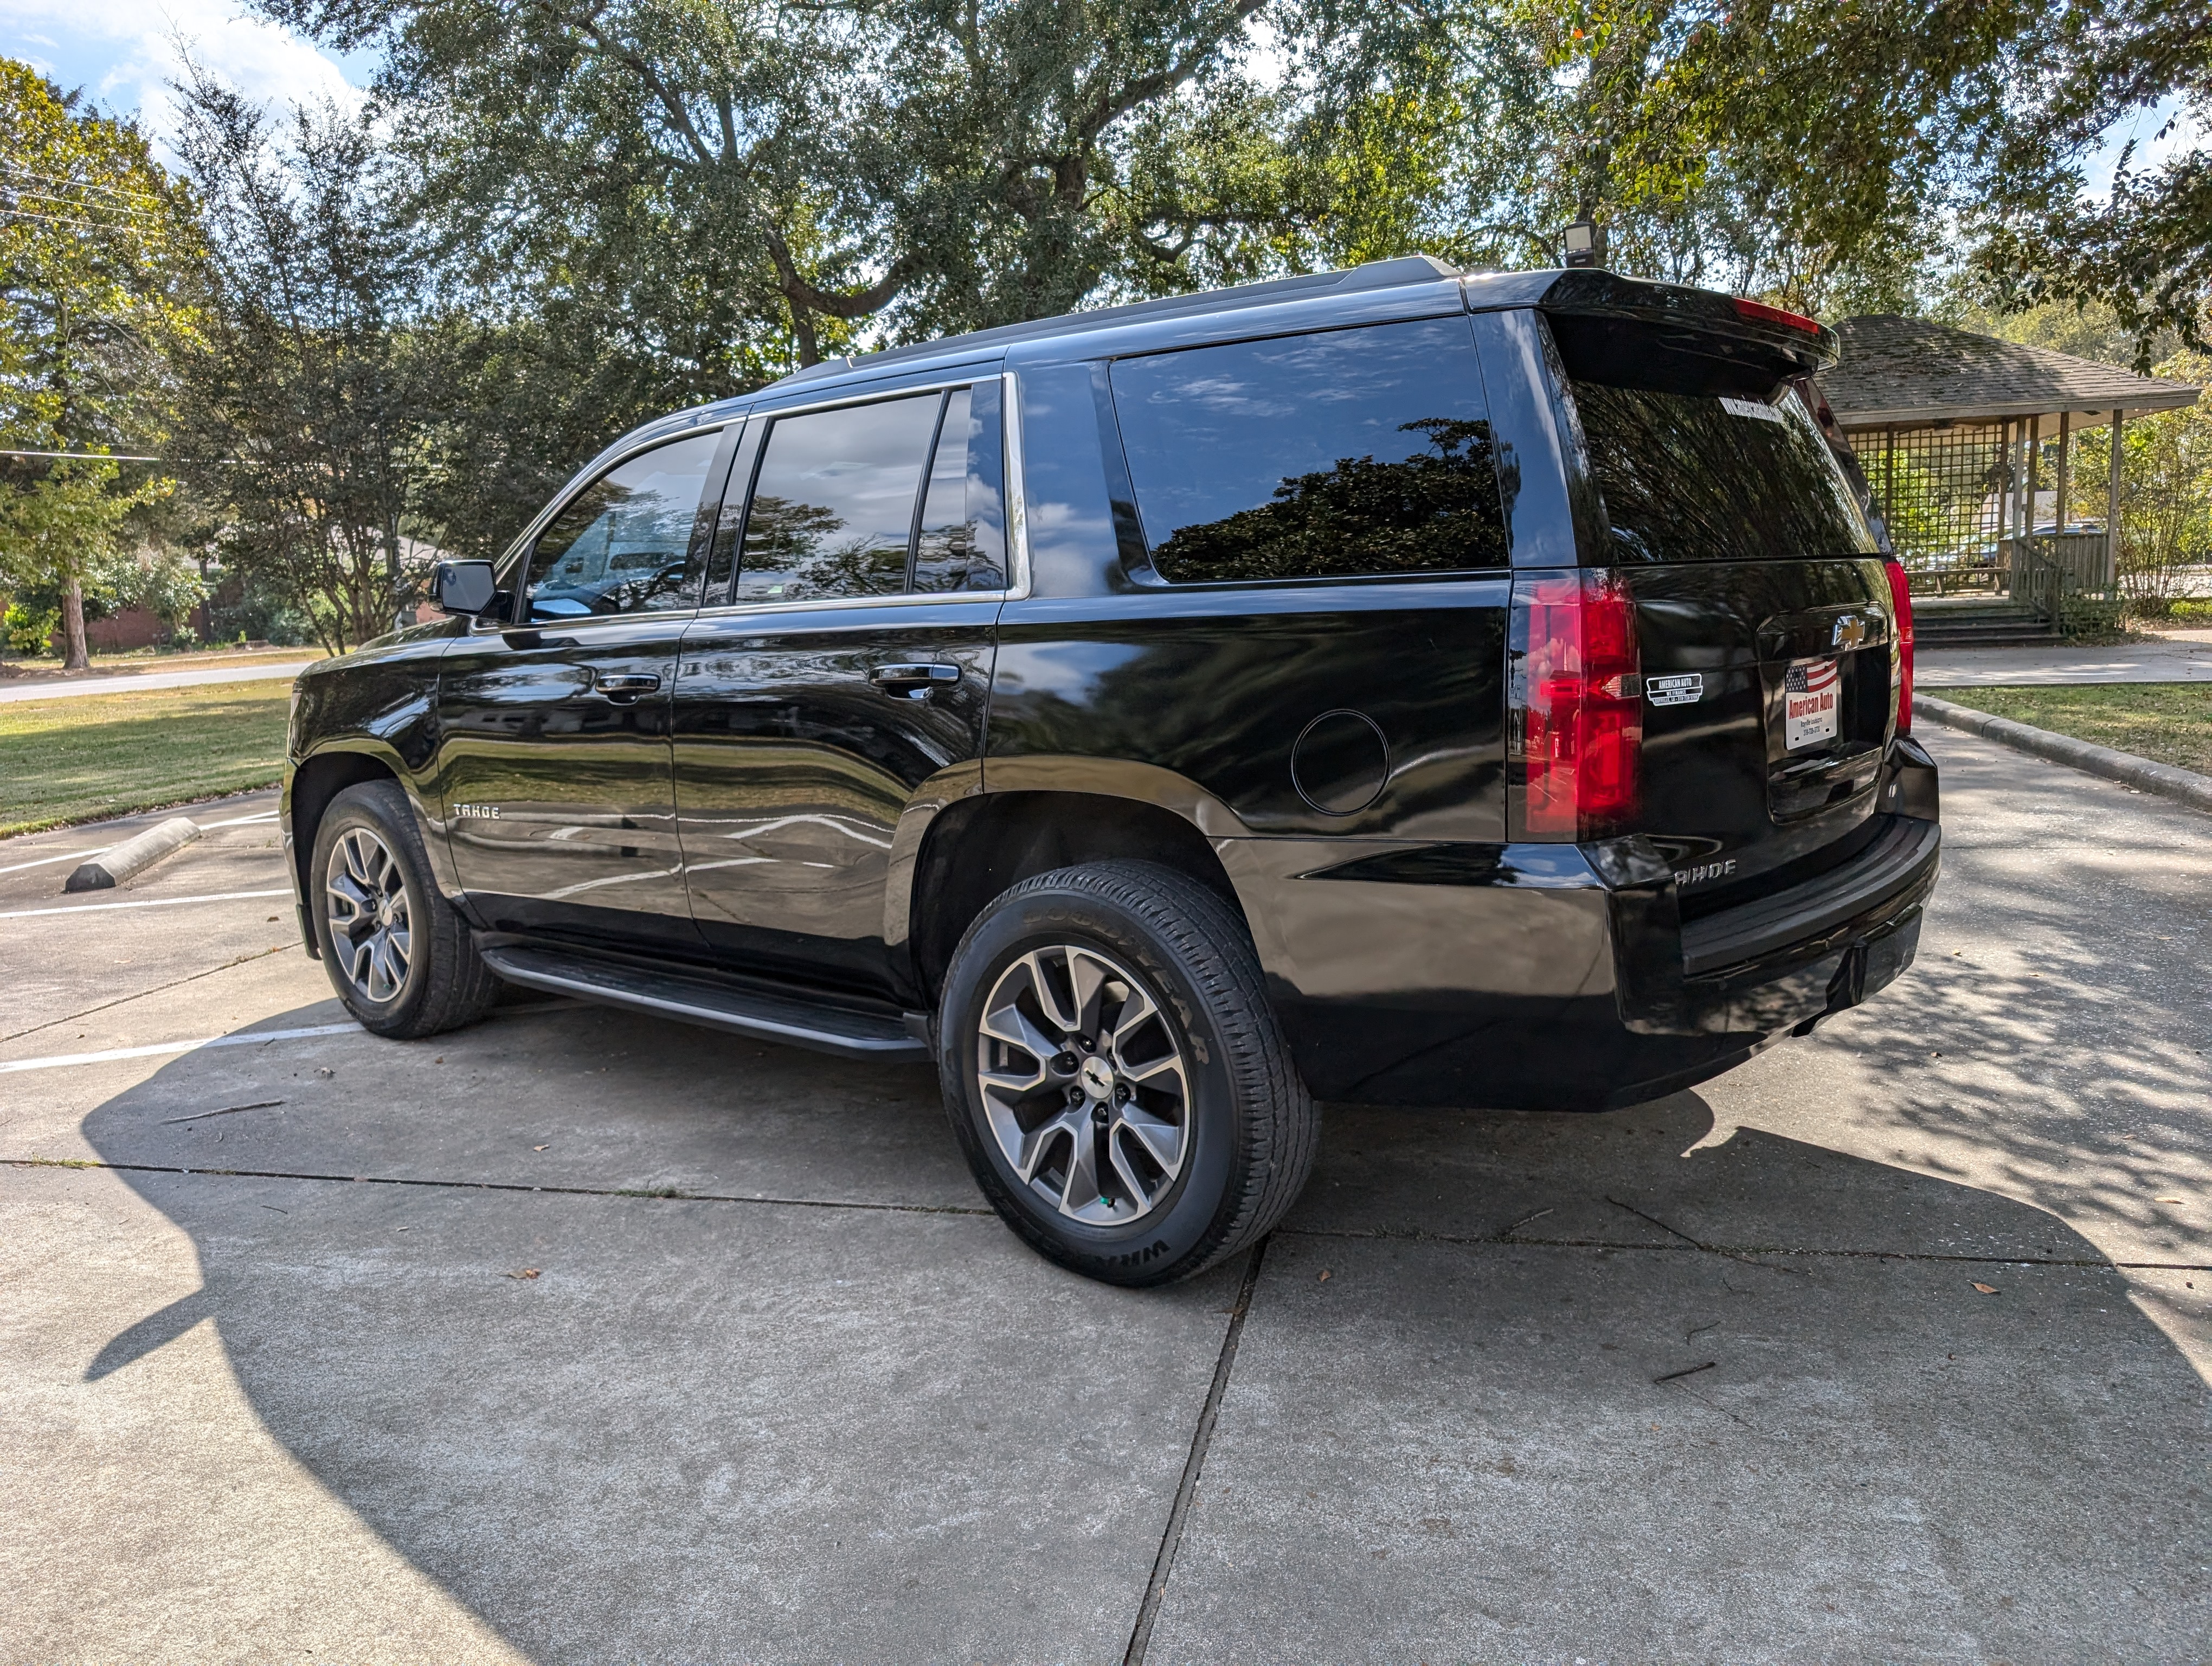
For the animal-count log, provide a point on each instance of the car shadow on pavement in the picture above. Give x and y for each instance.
(856, 1419)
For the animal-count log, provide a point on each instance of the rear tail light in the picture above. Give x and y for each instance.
(1575, 728)
(1900, 636)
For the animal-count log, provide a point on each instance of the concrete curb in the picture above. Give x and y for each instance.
(133, 856)
(2182, 786)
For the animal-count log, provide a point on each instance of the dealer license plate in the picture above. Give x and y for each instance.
(1811, 693)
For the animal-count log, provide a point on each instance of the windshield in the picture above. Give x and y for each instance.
(1714, 472)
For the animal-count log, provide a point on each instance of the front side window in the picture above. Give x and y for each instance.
(1362, 451)
(623, 544)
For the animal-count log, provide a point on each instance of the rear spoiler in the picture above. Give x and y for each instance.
(1704, 322)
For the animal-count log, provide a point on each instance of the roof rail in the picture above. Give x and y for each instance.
(1373, 274)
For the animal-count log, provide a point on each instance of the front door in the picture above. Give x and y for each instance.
(554, 765)
(846, 677)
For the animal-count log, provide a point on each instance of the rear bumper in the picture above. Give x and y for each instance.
(1555, 977)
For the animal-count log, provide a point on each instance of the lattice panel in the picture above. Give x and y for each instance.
(1944, 492)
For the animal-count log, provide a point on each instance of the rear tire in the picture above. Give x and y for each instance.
(397, 953)
(1154, 1125)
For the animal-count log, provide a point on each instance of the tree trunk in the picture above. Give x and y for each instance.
(74, 658)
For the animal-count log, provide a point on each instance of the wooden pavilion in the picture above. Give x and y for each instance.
(1970, 445)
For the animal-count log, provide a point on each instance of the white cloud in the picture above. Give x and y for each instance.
(126, 53)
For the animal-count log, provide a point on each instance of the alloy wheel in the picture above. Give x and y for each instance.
(1083, 1084)
(366, 903)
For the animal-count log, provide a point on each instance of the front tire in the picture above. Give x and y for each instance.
(397, 952)
(1116, 1077)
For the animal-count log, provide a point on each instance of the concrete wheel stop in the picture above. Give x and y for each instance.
(133, 856)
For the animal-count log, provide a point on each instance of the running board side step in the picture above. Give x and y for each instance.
(833, 1029)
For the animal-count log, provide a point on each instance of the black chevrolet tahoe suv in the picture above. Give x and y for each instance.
(1391, 686)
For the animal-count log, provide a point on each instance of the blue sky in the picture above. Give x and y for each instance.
(125, 51)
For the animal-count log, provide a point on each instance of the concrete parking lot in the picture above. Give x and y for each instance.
(576, 1337)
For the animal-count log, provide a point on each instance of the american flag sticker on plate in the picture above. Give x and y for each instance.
(1812, 694)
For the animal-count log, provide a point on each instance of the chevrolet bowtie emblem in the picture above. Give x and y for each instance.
(1851, 632)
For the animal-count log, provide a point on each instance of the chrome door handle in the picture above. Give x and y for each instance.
(624, 686)
(913, 682)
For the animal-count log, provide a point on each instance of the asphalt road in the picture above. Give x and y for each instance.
(314, 1346)
(243, 671)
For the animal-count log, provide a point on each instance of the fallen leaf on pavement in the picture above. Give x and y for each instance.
(1986, 1289)
(538, 1148)
(1324, 1275)
(526, 1272)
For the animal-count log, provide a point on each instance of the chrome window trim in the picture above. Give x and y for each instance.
(1018, 542)
(516, 560)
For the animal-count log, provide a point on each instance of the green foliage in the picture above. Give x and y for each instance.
(2166, 486)
(724, 175)
(2100, 617)
(30, 628)
(98, 266)
(163, 582)
(298, 387)
(60, 529)
(2145, 250)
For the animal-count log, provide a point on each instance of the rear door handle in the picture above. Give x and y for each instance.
(913, 682)
(624, 686)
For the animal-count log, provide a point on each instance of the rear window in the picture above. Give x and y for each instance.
(1351, 452)
(1717, 472)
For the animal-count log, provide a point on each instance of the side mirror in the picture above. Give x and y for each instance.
(466, 587)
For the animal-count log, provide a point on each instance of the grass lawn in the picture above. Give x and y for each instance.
(75, 760)
(2171, 723)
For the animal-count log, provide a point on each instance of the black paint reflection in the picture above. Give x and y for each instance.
(1338, 453)
(1693, 476)
(1433, 512)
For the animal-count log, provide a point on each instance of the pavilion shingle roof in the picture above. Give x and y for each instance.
(1910, 371)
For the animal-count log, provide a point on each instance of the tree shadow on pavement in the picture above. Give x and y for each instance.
(863, 1421)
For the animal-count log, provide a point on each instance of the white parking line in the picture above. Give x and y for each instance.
(149, 903)
(79, 856)
(253, 1038)
(66, 856)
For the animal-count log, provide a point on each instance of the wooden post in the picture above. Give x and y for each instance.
(2113, 507)
(2065, 443)
(2034, 468)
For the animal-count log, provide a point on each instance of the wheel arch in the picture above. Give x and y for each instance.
(321, 776)
(977, 847)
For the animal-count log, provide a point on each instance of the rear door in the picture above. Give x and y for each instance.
(1762, 608)
(554, 725)
(849, 670)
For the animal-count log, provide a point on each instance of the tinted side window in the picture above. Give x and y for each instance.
(833, 505)
(962, 543)
(623, 544)
(1355, 451)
